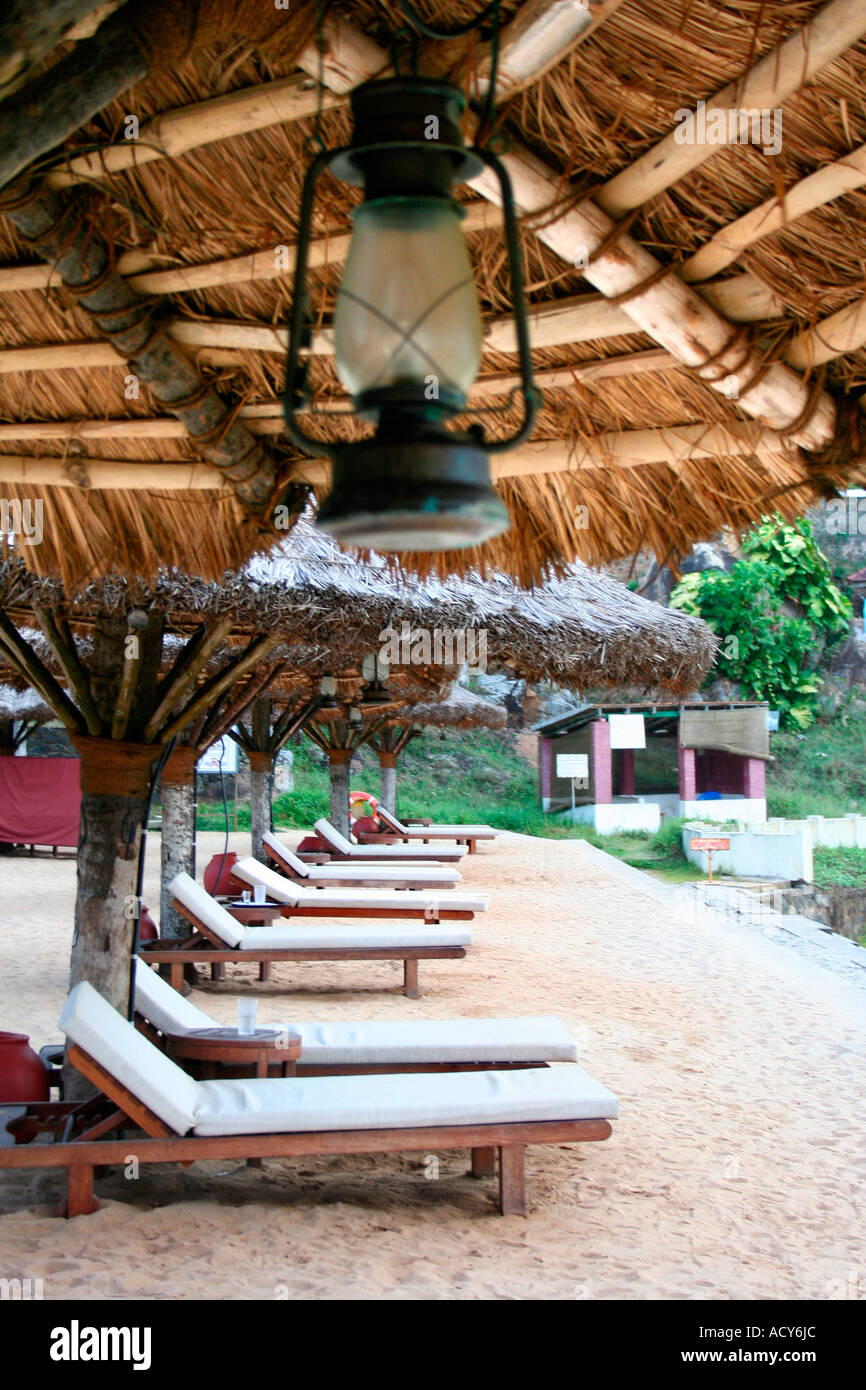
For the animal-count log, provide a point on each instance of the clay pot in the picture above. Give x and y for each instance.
(147, 927)
(314, 844)
(23, 1075)
(220, 883)
(368, 825)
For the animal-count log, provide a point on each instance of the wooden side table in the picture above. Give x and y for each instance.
(213, 1048)
(250, 915)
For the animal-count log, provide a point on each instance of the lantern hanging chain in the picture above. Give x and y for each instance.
(316, 141)
(491, 12)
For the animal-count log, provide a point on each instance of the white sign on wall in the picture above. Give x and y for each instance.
(572, 765)
(627, 730)
(210, 760)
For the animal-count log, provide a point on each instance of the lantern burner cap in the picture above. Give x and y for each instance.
(430, 493)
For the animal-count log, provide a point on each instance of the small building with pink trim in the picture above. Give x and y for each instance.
(644, 762)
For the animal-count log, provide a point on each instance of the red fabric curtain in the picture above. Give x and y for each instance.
(40, 800)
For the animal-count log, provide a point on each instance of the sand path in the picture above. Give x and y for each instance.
(736, 1171)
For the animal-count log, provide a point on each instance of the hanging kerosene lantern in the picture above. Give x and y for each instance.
(407, 328)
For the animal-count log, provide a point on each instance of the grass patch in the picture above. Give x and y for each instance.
(820, 773)
(840, 868)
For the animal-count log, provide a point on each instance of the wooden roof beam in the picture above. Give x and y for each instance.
(777, 76)
(540, 35)
(557, 323)
(827, 183)
(614, 448)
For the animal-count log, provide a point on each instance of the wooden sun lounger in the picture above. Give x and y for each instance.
(382, 852)
(82, 1143)
(423, 832)
(300, 900)
(316, 871)
(340, 1047)
(207, 946)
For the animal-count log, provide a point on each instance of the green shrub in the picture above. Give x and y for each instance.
(840, 868)
(771, 653)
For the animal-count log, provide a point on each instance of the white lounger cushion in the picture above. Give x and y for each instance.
(387, 853)
(447, 832)
(164, 1006)
(365, 935)
(119, 1048)
(304, 1104)
(287, 1105)
(207, 909)
(283, 890)
(343, 1043)
(363, 873)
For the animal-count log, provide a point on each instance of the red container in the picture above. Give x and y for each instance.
(368, 825)
(23, 1075)
(313, 844)
(147, 927)
(218, 883)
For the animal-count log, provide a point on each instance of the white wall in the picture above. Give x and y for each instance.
(752, 809)
(754, 853)
(622, 813)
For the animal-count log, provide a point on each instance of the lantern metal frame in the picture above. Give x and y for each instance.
(410, 433)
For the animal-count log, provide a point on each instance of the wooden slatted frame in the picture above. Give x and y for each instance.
(81, 1157)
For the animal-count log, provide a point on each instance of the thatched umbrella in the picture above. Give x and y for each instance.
(700, 338)
(460, 709)
(21, 713)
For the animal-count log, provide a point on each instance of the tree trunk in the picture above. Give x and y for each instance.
(388, 765)
(260, 801)
(114, 785)
(178, 835)
(338, 759)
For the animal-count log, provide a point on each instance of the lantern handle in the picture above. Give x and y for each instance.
(297, 323)
(532, 397)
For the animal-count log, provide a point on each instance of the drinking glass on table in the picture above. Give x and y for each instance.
(247, 1015)
(259, 894)
(245, 895)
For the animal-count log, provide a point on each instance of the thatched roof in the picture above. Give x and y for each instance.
(461, 709)
(634, 448)
(24, 705)
(328, 611)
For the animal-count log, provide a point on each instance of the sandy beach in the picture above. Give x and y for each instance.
(735, 1171)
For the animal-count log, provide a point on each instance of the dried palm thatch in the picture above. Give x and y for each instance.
(460, 709)
(23, 704)
(322, 612)
(634, 448)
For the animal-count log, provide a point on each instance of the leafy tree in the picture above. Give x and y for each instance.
(777, 613)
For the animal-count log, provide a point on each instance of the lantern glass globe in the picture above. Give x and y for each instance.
(407, 311)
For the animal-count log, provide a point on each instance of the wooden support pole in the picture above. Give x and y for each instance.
(214, 687)
(29, 32)
(62, 643)
(174, 133)
(108, 475)
(54, 105)
(540, 35)
(128, 683)
(219, 722)
(183, 675)
(830, 181)
(844, 331)
(24, 659)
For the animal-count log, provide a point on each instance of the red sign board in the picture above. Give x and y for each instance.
(711, 844)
